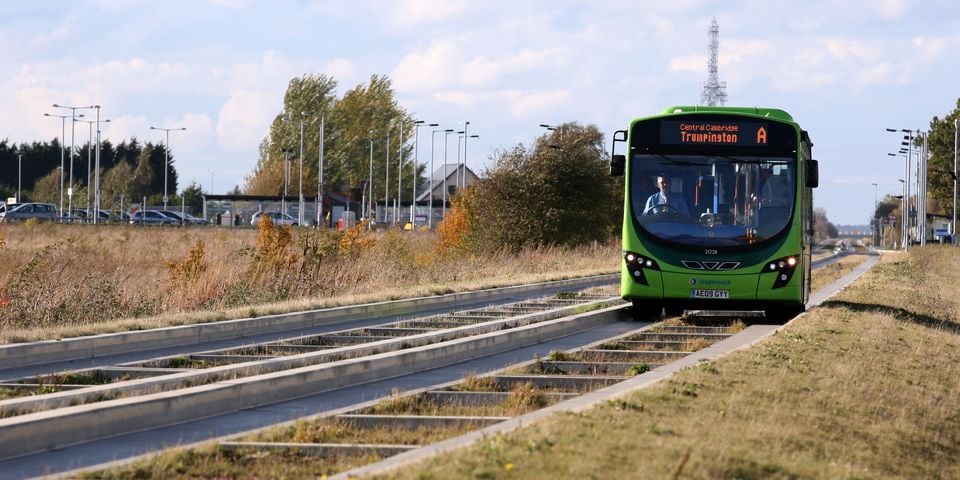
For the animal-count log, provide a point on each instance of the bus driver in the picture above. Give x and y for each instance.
(665, 202)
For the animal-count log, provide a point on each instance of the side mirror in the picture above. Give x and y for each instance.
(813, 174)
(617, 162)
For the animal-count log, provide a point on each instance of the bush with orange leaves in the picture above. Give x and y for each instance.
(190, 267)
(356, 240)
(454, 231)
(273, 244)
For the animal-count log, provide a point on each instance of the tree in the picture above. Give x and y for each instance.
(47, 189)
(114, 182)
(365, 112)
(309, 93)
(557, 192)
(193, 196)
(822, 228)
(940, 166)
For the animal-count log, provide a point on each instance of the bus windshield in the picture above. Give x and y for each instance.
(712, 201)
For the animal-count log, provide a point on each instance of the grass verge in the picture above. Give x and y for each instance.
(863, 387)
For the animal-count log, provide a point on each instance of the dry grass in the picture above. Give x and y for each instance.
(214, 462)
(828, 274)
(864, 387)
(69, 280)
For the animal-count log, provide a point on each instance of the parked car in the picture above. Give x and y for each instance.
(23, 211)
(277, 217)
(152, 217)
(185, 218)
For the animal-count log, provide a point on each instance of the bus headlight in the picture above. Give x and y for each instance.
(784, 268)
(635, 265)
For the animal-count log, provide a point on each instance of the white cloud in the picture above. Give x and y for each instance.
(889, 9)
(428, 70)
(244, 119)
(412, 13)
(526, 104)
(484, 72)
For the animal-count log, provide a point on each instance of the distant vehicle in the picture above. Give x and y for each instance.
(152, 217)
(24, 211)
(277, 217)
(185, 218)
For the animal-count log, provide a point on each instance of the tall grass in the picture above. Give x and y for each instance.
(63, 280)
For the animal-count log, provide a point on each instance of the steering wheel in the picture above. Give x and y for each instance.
(662, 209)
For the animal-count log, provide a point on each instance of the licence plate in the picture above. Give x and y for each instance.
(710, 293)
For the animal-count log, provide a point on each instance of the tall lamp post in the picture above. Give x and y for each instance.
(90, 163)
(431, 185)
(953, 234)
(908, 142)
(19, 172)
(558, 128)
(63, 131)
(416, 164)
(446, 135)
(302, 203)
(903, 219)
(368, 204)
(166, 161)
(876, 219)
(462, 178)
(321, 223)
(904, 202)
(73, 138)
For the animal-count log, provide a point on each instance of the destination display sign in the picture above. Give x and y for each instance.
(714, 132)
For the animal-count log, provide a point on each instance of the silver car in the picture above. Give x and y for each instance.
(23, 211)
(277, 217)
(152, 217)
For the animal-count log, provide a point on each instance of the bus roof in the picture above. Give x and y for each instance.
(762, 112)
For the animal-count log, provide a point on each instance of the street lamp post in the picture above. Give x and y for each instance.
(73, 138)
(96, 190)
(286, 182)
(320, 218)
(302, 203)
(876, 218)
(903, 220)
(462, 177)
(386, 180)
(558, 128)
(166, 161)
(446, 134)
(396, 210)
(19, 172)
(416, 164)
(953, 235)
(906, 195)
(369, 189)
(95, 165)
(430, 182)
(63, 132)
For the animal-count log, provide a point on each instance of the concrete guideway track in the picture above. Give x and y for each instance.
(51, 356)
(135, 444)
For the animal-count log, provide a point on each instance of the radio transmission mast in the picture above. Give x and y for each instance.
(714, 91)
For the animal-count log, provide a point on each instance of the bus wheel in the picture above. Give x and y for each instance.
(645, 311)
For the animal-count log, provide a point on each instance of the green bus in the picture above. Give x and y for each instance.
(718, 211)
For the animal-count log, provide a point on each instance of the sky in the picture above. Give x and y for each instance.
(845, 70)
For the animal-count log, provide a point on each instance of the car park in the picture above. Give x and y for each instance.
(277, 217)
(152, 217)
(24, 211)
